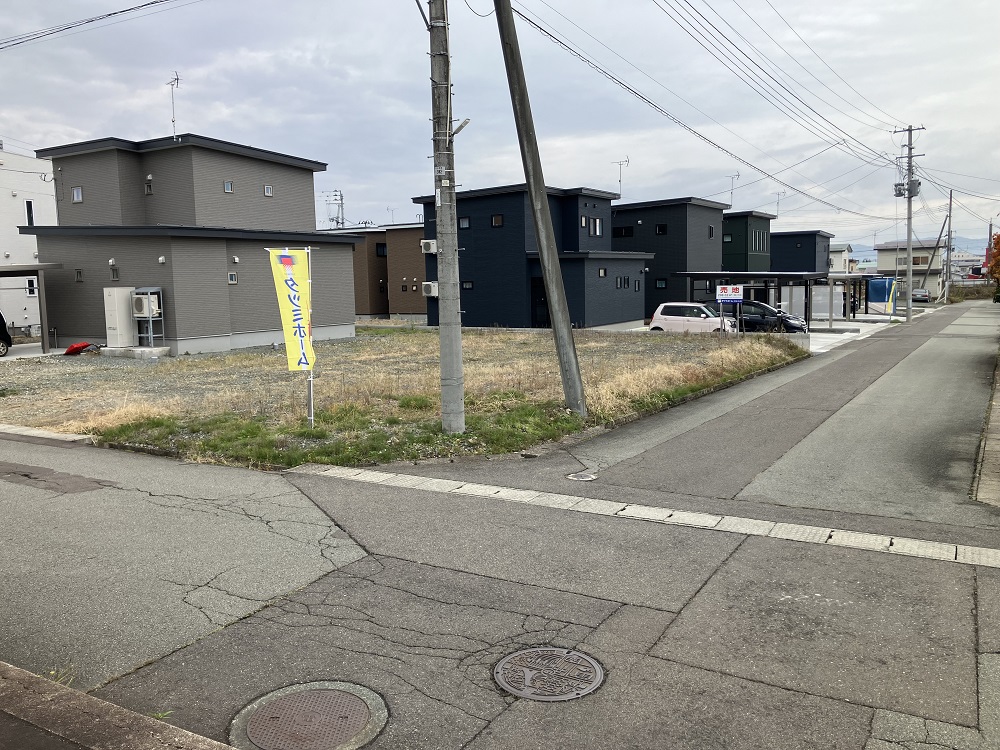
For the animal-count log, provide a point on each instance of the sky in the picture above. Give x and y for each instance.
(347, 83)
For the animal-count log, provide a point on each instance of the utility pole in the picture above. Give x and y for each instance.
(548, 254)
(912, 189)
(947, 272)
(446, 232)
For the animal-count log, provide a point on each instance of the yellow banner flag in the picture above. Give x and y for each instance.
(290, 267)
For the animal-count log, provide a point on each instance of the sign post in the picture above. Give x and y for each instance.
(731, 294)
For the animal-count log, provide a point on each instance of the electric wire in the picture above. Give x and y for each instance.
(673, 118)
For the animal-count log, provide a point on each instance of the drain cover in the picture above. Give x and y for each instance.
(548, 674)
(315, 716)
(310, 720)
(582, 476)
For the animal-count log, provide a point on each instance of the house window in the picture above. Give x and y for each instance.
(711, 231)
(463, 222)
(637, 285)
(618, 282)
(79, 274)
(268, 191)
(602, 272)
(414, 287)
(381, 250)
(466, 285)
(625, 285)
(31, 289)
(148, 189)
(661, 228)
(595, 227)
(496, 220)
(583, 220)
(77, 193)
(622, 231)
(114, 273)
(405, 287)
(29, 213)
(227, 186)
(661, 283)
(233, 278)
(728, 238)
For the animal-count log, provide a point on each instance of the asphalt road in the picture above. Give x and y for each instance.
(762, 567)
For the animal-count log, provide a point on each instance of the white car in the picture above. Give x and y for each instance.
(688, 317)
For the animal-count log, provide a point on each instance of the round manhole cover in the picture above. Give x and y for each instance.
(315, 716)
(582, 476)
(548, 674)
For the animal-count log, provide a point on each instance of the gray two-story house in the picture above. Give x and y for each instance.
(189, 217)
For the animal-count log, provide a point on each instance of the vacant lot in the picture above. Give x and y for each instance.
(376, 396)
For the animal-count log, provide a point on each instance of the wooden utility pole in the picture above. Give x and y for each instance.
(548, 253)
(446, 222)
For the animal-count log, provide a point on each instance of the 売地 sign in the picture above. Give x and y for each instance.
(730, 293)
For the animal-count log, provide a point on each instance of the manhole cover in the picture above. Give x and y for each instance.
(582, 476)
(311, 720)
(315, 716)
(548, 674)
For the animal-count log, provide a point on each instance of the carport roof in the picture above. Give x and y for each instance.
(28, 269)
(753, 275)
(160, 230)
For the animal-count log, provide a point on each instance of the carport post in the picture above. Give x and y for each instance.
(829, 288)
(42, 312)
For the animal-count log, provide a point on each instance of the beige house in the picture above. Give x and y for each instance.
(927, 265)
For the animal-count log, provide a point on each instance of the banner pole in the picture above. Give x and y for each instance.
(309, 394)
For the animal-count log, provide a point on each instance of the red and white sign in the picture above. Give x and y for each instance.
(731, 293)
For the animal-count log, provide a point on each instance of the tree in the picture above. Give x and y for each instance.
(993, 269)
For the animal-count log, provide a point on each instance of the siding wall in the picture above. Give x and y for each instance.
(98, 175)
(370, 277)
(606, 302)
(406, 260)
(172, 201)
(292, 206)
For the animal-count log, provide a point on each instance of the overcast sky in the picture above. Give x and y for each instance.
(347, 83)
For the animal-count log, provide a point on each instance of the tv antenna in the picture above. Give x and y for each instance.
(777, 208)
(623, 163)
(732, 184)
(173, 83)
(392, 214)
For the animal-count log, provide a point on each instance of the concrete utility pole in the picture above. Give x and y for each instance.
(912, 189)
(947, 272)
(562, 328)
(449, 304)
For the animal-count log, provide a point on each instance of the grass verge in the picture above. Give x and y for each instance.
(381, 404)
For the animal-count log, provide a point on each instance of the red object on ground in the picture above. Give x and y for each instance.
(77, 348)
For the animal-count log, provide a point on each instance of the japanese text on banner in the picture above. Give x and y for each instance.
(290, 267)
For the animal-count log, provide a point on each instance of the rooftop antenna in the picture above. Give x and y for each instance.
(732, 185)
(777, 208)
(173, 83)
(392, 214)
(620, 164)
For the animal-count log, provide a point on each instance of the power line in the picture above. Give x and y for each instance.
(33, 36)
(673, 118)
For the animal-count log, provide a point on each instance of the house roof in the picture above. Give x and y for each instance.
(180, 141)
(839, 248)
(523, 188)
(162, 230)
(754, 214)
(917, 243)
(819, 232)
(671, 202)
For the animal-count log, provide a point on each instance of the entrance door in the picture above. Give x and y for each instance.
(539, 304)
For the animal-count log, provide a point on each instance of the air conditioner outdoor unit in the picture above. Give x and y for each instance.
(429, 288)
(429, 247)
(145, 306)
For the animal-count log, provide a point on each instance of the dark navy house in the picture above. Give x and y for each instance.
(499, 268)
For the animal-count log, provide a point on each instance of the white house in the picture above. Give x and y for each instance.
(927, 263)
(27, 198)
(841, 260)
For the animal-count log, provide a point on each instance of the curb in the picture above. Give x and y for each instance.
(64, 437)
(88, 721)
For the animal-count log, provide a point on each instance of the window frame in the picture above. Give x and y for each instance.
(496, 221)
(269, 191)
(29, 212)
(76, 194)
(31, 286)
(228, 186)
(464, 222)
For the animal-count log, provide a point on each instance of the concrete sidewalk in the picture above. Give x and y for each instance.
(780, 599)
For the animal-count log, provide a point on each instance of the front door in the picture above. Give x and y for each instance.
(539, 304)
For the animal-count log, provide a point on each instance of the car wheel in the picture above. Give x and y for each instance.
(3, 349)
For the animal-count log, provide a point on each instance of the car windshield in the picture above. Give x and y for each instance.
(766, 309)
(711, 313)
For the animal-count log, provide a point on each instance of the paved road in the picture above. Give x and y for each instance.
(794, 562)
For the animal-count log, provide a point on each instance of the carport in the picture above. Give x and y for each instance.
(768, 279)
(35, 269)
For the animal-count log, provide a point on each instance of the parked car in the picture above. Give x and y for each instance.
(688, 317)
(5, 341)
(758, 316)
(920, 295)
